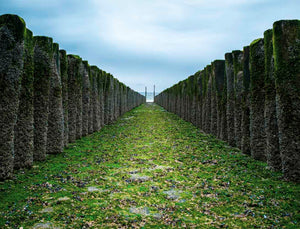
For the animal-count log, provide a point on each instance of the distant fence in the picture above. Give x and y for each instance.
(251, 99)
(48, 98)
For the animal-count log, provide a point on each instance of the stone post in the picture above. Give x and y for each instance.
(287, 82)
(23, 137)
(257, 100)
(12, 35)
(43, 60)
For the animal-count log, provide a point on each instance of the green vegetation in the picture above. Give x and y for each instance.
(150, 169)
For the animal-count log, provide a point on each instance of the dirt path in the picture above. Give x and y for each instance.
(149, 169)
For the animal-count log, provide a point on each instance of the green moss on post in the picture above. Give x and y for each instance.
(85, 97)
(257, 100)
(272, 140)
(245, 140)
(238, 85)
(12, 35)
(43, 55)
(95, 99)
(287, 82)
(64, 82)
(73, 90)
(230, 111)
(23, 139)
(55, 134)
(218, 88)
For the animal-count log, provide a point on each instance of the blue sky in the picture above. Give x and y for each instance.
(147, 42)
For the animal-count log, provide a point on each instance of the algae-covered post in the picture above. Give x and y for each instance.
(43, 59)
(238, 84)
(101, 85)
(214, 97)
(73, 75)
(85, 97)
(257, 98)
(245, 128)
(272, 141)
(219, 81)
(287, 82)
(230, 111)
(64, 82)
(23, 137)
(12, 35)
(95, 103)
(55, 134)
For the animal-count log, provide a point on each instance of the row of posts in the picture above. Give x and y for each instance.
(251, 99)
(49, 99)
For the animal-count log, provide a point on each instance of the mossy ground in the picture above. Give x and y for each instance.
(150, 169)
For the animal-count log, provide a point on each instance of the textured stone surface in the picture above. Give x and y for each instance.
(219, 87)
(238, 85)
(229, 69)
(85, 97)
(272, 141)
(73, 75)
(23, 132)
(12, 31)
(287, 82)
(55, 134)
(64, 83)
(245, 125)
(43, 59)
(257, 100)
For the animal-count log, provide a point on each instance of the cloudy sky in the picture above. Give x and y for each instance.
(147, 42)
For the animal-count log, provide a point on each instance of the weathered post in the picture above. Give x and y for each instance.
(43, 59)
(23, 132)
(287, 82)
(55, 132)
(230, 111)
(64, 83)
(238, 84)
(218, 88)
(86, 97)
(272, 141)
(73, 89)
(257, 100)
(12, 31)
(245, 141)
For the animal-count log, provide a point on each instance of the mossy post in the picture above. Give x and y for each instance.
(272, 140)
(238, 85)
(257, 100)
(219, 81)
(204, 86)
(230, 111)
(85, 97)
(245, 128)
(101, 85)
(12, 35)
(95, 99)
(73, 76)
(200, 100)
(215, 78)
(287, 82)
(43, 60)
(64, 83)
(55, 134)
(23, 137)
(92, 101)
(79, 87)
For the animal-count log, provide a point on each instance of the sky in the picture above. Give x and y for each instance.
(151, 42)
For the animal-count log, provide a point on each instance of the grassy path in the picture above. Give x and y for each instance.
(149, 169)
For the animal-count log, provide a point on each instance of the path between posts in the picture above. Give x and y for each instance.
(149, 169)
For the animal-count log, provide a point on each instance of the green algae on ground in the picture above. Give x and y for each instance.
(193, 180)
